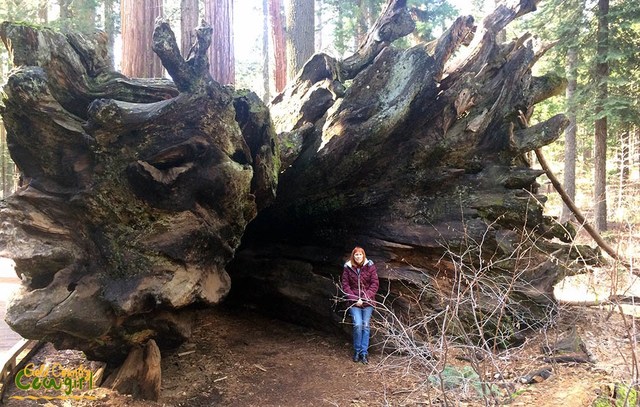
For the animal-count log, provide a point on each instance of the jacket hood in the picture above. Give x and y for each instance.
(366, 263)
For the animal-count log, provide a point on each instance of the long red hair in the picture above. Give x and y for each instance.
(358, 249)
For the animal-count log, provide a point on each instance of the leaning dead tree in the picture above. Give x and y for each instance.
(135, 192)
(420, 156)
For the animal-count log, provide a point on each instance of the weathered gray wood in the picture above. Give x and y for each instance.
(394, 22)
(423, 161)
(135, 192)
(140, 374)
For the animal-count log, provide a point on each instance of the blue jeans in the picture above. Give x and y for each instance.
(361, 329)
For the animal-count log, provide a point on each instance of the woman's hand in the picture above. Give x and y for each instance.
(359, 303)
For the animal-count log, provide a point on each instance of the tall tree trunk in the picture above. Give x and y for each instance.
(188, 23)
(43, 12)
(3, 160)
(570, 133)
(138, 19)
(219, 14)
(318, 36)
(600, 150)
(623, 171)
(361, 23)
(110, 28)
(279, 45)
(300, 34)
(265, 52)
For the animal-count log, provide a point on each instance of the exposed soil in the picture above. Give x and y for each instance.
(241, 358)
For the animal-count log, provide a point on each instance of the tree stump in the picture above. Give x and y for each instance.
(140, 374)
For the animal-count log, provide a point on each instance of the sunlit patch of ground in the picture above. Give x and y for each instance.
(9, 283)
(597, 286)
(7, 270)
(619, 278)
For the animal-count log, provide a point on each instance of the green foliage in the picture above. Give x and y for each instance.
(464, 379)
(624, 60)
(625, 396)
(345, 23)
(573, 24)
(432, 17)
(77, 15)
(19, 10)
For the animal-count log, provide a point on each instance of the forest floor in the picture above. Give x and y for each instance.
(245, 359)
(242, 358)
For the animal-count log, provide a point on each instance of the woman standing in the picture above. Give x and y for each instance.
(360, 284)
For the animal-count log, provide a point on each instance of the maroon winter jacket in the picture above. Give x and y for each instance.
(360, 285)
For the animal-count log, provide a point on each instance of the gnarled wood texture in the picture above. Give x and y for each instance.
(136, 192)
(422, 160)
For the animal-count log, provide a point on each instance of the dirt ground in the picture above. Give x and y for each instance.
(240, 358)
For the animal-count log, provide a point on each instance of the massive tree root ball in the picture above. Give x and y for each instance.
(421, 155)
(136, 192)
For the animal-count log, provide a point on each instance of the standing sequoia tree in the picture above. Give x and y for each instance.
(300, 31)
(276, 27)
(221, 53)
(188, 20)
(138, 18)
(137, 192)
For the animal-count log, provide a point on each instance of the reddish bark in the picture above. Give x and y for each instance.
(188, 21)
(219, 14)
(138, 19)
(279, 47)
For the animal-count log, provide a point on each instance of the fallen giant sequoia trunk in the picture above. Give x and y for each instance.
(136, 192)
(423, 161)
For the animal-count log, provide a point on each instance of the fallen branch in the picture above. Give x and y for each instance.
(611, 300)
(394, 22)
(567, 359)
(524, 122)
(579, 217)
(585, 303)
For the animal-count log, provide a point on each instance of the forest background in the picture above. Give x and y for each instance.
(261, 44)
